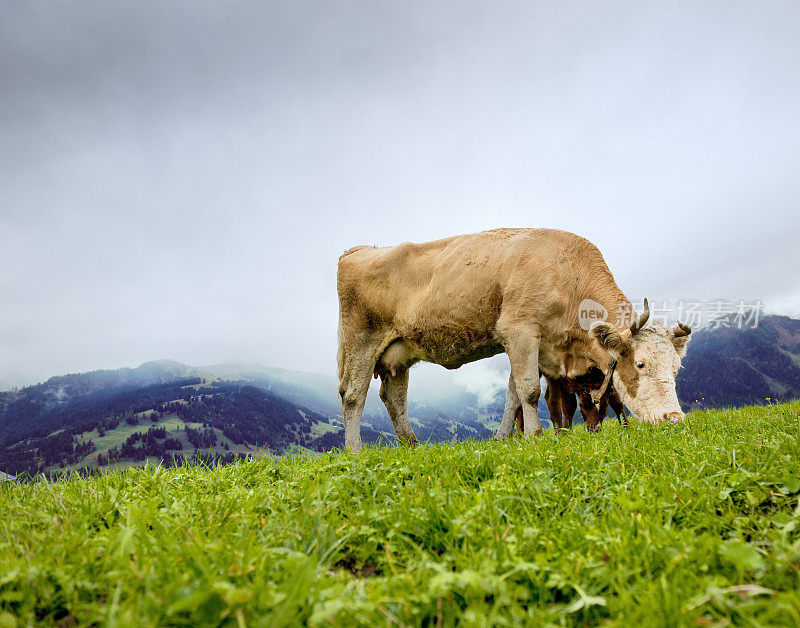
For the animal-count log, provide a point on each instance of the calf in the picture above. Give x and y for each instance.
(560, 396)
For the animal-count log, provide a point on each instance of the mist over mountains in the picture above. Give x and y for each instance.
(166, 410)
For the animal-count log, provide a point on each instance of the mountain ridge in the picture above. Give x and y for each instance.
(728, 366)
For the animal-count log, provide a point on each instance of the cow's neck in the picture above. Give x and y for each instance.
(622, 313)
(575, 354)
(616, 304)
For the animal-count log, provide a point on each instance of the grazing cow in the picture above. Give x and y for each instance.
(468, 297)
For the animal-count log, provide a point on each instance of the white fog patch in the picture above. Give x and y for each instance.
(483, 379)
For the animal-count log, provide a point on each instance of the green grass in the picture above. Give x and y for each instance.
(118, 436)
(319, 428)
(489, 423)
(691, 524)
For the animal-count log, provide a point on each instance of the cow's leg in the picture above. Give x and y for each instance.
(618, 407)
(589, 411)
(523, 352)
(357, 373)
(354, 396)
(602, 407)
(519, 426)
(506, 428)
(553, 396)
(569, 404)
(394, 393)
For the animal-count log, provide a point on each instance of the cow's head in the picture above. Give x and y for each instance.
(648, 358)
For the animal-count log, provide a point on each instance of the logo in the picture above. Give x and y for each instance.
(590, 311)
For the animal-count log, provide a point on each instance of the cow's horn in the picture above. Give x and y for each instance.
(637, 324)
(681, 330)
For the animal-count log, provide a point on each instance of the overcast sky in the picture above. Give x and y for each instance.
(177, 179)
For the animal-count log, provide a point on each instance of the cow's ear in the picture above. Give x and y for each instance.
(608, 337)
(680, 338)
(680, 345)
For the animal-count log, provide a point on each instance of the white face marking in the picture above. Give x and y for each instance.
(654, 358)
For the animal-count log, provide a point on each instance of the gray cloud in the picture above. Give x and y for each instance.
(179, 178)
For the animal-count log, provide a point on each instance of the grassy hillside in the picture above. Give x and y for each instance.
(174, 428)
(692, 524)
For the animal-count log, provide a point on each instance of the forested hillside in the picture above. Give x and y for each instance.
(73, 422)
(187, 416)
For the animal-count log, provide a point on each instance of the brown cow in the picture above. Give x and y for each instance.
(468, 297)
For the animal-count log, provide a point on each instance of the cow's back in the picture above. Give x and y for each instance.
(450, 293)
(400, 284)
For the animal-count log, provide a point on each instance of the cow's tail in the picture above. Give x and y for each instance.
(340, 350)
(340, 353)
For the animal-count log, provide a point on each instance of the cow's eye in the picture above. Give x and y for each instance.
(640, 365)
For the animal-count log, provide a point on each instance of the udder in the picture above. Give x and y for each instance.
(397, 357)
